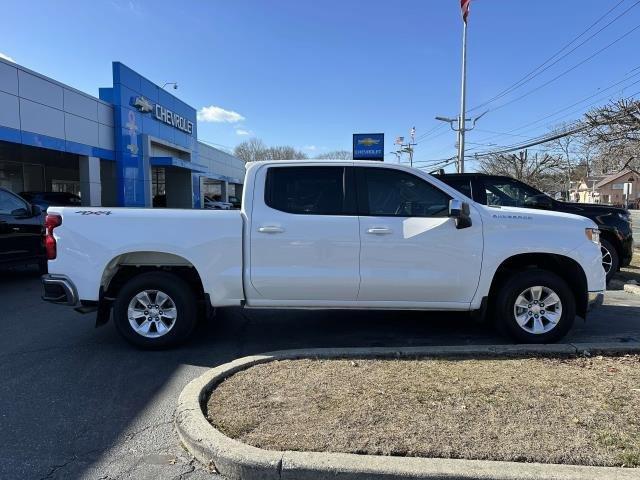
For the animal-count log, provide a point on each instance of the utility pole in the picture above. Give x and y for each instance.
(407, 147)
(463, 99)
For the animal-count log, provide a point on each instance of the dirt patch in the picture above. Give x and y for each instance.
(583, 411)
(627, 274)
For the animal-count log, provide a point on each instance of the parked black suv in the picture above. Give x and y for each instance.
(47, 199)
(616, 237)
(21, 231)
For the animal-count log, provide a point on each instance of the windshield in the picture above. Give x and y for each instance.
(510, 193)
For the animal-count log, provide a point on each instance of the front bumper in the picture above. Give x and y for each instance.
(59, 289)
(595, 300)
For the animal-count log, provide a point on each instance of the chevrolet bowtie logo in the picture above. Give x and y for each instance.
(368, 141)
(142, 104)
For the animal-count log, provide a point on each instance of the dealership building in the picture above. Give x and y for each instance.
(134, 146)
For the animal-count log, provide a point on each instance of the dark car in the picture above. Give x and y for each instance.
(21, 231)
(235, 201)
(616, 236)
(47, 199)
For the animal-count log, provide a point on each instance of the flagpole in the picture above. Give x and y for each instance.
(463, 95)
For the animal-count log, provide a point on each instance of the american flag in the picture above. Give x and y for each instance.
(464, 6)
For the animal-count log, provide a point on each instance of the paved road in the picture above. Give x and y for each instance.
(77, 402)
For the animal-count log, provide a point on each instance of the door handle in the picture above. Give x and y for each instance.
(379, 231)
(270, 229)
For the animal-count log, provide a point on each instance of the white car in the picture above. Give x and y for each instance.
(211, 204)
(340, 234)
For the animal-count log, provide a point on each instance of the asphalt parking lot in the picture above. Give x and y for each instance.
(77, 402)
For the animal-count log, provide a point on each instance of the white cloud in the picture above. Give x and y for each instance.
(6, 57)
(218, 115)
(242, 131)
(310, 147)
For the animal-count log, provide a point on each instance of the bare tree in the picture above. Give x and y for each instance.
(615, 130)
(336, 155)
(254, 150)
(540, 170)
(251, 150)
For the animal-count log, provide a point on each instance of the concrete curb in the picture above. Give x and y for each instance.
(237, 460)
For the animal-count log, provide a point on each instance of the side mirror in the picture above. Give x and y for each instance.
(20, 213)
(36, 211)
(461, 212)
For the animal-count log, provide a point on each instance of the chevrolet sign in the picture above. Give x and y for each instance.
(368, 146)
(163, 114)
(170, 118)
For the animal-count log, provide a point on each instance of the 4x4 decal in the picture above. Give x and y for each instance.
(94, 212)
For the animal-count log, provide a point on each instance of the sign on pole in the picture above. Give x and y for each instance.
(368, 146)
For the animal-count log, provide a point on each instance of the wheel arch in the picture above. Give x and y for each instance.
(127, 265)
(565, 267)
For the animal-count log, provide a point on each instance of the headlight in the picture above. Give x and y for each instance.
(625, 216)
(593, 234)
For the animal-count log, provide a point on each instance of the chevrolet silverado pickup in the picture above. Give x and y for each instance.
(326, 235)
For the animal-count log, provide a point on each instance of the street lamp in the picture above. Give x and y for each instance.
(175, 85)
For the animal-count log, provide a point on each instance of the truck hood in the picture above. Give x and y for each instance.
(546, 216)
(591, 208)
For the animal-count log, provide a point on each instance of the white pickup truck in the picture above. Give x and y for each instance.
(326, 235)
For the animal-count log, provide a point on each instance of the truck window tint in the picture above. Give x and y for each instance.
(392, 193)
(506, 193)
(306, 190)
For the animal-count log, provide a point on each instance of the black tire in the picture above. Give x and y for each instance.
(43, 267)
(518, 283)
(606, 246)
(182, 297)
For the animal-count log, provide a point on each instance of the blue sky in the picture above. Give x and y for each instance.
(311, 73)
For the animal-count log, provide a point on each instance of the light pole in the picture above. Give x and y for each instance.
(175, 85)
(461, 129)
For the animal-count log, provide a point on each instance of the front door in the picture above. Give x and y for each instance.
(304, 235)
(411, 251)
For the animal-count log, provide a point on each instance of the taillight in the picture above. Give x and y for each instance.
(51, 221)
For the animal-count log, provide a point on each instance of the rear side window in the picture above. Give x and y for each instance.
(393, 193)
(308, 190)
(461, 184)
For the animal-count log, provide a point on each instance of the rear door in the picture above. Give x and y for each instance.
(304, 234)
(411, 251)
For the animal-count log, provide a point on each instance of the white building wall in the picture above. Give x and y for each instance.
(221, 163)
(37, 104)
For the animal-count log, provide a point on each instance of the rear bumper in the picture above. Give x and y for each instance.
(595, 300)
(59, 289)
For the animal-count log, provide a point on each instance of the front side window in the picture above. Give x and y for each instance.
(10, 203)
(507, 193)
(307, 190)
(393, 193)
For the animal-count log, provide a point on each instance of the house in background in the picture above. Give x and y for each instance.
(612, 190)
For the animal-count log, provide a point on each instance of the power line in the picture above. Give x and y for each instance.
(597, 94)
(590, 57)
(536, 71)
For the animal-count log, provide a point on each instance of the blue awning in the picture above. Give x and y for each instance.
(174, 162)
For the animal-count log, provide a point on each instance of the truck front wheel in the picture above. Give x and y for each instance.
(155, 310)
(535, 306)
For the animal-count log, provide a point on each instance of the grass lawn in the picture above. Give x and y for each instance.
(583, 411)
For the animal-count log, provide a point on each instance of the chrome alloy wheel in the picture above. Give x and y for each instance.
(607, 259)
(152, 313)
(537, 310)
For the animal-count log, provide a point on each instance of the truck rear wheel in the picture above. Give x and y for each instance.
(535, 306)
(155, 310)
